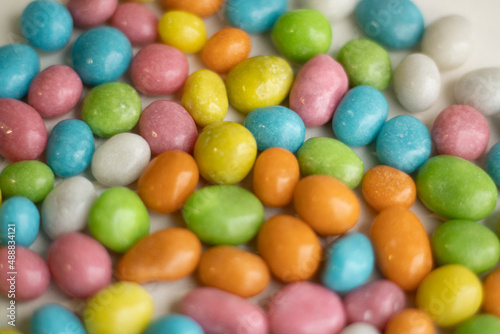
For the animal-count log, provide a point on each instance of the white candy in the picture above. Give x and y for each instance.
(480, 89)
(417, 82)
(66, 207)
(360, 328)
(448, 41)
(332, 9)
(120, 160)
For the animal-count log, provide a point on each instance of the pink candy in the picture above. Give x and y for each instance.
(91, 13)
(137, 22)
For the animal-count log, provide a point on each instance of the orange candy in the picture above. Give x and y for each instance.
(199, 7)
(290, 247)
(402, 247)
(326, 204)
(491, 289)
(234, 270)
(167, 181)
(168, 254)
(275, 175)
(385, 186)
(226, 49)
(410, 321)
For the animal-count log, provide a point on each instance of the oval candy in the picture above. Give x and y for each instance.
(482, 323)
(478, 90)
(19, 66)
(174, 323)
(54, 318)
(256, 16)
(410, 321)
(491, 288)
(19, 222)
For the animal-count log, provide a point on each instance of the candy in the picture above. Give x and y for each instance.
(47, 25)
(118, 219)
(450, 294)
(448, 41)
(360, 328)
(174, 323)
(205, 97)
(275, 175)
(385, 186)
(402, 247)
(483, 323)
(276, 126)
(182, 30)
(256, 16)
(19, 222)
(66, 207)
(403, 143)
(467, 243)
(366, 63)
(333, 10)
(410, 321)
(23, 135)
(233, 270)
(233, 314)
(359, 116)
(394, 24)
(326, 204)
(55, 91)
(493, 163)
(159, 69)
(374, 303)
(32, 274)
(91, 13)
(491, 289)
(111, 108)
(456, 188)
(199, 7)
(304, 308)
(328, 156)
(225, 152)
(101, 55)
(30, 178)
(317, 90)
(80, 265)
(225, 49)
(260, 81)
(122, 307)
(478, 89)
(223, 214)
(167, 254)
(9, 331)
(53, 318)
(462, 131)
(290, 248)
(19, 64)
(351, 261)
(137, 22)
(417, 82)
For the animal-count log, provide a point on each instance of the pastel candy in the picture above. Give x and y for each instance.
(137, 22)
(91, 13)
(493, 163)
(182, 30)
(225, 49)
(19, 222)
(19, 64)
(254, 16)
(360, 328)
(482, 323)
(412, 321)
(174, 323)
(479, 89)
(491, 288)
(54, 318)
(201, 8)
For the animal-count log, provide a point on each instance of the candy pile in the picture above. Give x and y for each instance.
(259, 204)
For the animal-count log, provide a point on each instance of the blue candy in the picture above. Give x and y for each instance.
(360, 115)
(276, 126)
(350, 263)
(19, 64)
(19, 219)
(53, 318)
(493, 163)
(101, 55)
(255, 16)
(47, 25)
(174, 324)
(396, 24)
(403, 143)
(70, 147)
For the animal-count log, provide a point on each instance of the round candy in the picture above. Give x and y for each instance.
(91, 13)
(491, 289)
(19, 222)
(23, 135)
(476, 89)
(174, 323)
(482, 323)
(55, 91)
(159, 69)
(333, 10)
(19, 64)
(360, 328)
(54, 318)
(225, 49)
(101, 55)
(111, 108)
(47, 25)
(118, 219)
(493, 163)
(255, 16)
(137, 22)
(410, 321)
(183, 30)
(198, 7)
(366, 63)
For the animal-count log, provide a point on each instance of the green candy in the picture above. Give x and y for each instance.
(479, 324)
(302, 34)
(366, 63)
(467, 243)
(118, 219)
(30, 178)
(224, 214)
(111, 108)
(328, 156)
(456, 188)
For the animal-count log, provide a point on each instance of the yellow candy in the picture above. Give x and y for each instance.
(259, 81)
(183, 30)
(225, 152)
(205, 97)
(9, 331)
(450, 294)
(123, 307)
